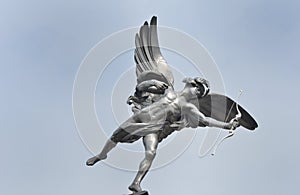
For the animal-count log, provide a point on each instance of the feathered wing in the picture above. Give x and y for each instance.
(150, 64)
(222, 108)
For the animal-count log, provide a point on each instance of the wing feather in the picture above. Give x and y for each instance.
(140, 54)
(147, 54)
(144, 36)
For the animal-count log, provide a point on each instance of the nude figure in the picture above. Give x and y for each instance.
(149, 122)
(159, 110)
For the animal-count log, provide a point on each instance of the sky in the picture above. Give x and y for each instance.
(255, 45)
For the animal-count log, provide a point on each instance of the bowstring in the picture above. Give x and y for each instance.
(231, 132)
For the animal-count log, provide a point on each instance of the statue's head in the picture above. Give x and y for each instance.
(198, 86)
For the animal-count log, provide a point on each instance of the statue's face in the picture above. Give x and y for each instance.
(197, 88)
(193, 89)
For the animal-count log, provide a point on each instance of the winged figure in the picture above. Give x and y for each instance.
(159, 110)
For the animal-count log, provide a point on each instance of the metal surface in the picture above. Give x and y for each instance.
(158, 109)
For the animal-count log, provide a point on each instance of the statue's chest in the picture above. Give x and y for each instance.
(174, 109)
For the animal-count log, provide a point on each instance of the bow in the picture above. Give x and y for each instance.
(237, 117)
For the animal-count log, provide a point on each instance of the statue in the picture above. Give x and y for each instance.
(159, 110)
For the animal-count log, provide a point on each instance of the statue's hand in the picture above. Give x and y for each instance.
(160, 85)
(132, 99)
(129, 100)
(233, 124)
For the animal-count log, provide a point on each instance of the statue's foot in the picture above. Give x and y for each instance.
(140, 193)
(94, 160)
(134, 187)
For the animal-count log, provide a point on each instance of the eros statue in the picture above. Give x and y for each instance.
(159, 110)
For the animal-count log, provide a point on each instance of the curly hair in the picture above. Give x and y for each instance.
(201, 83)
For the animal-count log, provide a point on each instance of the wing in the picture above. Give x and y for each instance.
(150, 64)
(222, 108)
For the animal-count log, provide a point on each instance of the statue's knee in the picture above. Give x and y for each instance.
(150, 154)
(115, 139)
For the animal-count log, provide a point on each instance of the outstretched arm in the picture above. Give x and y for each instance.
(194, 117)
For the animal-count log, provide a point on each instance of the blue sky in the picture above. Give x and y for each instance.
(256, 45)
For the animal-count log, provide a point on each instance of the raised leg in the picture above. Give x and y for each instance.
(150, 143)
(103, 154)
